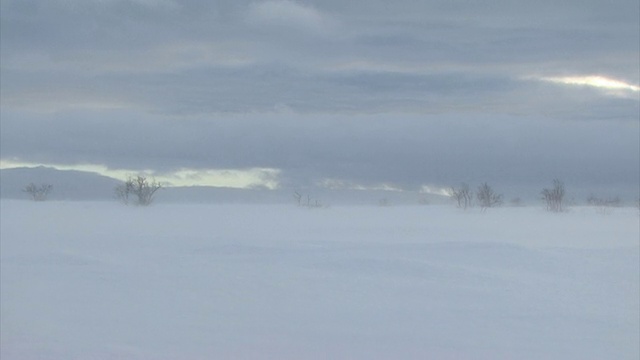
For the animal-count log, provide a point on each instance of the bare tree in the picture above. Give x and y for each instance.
(554, 197)
(137, 190)
(298, 198)
(604, 202)
(462, 195)
(38, 193)
(312, 204)
(604, 205)
(124, 191)
(306, 201)
(487, 197)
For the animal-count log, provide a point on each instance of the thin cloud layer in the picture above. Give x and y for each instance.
(288, 14)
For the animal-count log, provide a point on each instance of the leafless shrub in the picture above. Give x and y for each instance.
(604, 205)
(137, 190)
(298, 198)
(306, 201)
(604, 202)
(554, 197)
(38, 193)
(462, 195)
(487, 197)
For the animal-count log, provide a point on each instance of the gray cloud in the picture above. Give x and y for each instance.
(403, 150)
(366, 91)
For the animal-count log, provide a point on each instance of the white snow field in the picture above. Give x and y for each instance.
(98, 280)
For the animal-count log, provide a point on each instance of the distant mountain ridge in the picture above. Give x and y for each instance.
(82, 185)
(67, 184)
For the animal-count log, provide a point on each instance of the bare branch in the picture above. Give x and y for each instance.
(554, 197)
(38, 193)
(462, 195)
(143, 190)
(487, 197)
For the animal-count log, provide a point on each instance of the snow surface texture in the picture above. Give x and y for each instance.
(97, 280)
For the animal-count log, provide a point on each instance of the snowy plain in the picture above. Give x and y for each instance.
(98, 280)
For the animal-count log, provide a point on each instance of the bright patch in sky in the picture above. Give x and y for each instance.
(434, 190)
(232, 178)
(594, 81)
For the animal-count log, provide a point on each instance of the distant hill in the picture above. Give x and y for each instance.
(81, 185)
(67, 184)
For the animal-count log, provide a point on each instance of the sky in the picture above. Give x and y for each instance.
(401, 95)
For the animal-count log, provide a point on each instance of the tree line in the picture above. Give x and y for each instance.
(141, 191)
(486, 197)
(136, 190)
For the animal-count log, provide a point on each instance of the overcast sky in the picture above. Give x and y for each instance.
(289, 93)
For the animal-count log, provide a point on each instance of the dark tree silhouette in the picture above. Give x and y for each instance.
(554, 197)
(487, 197)
(137, 190)
(463, 196)
(38, 193)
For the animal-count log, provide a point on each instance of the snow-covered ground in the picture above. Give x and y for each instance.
(97, 280)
